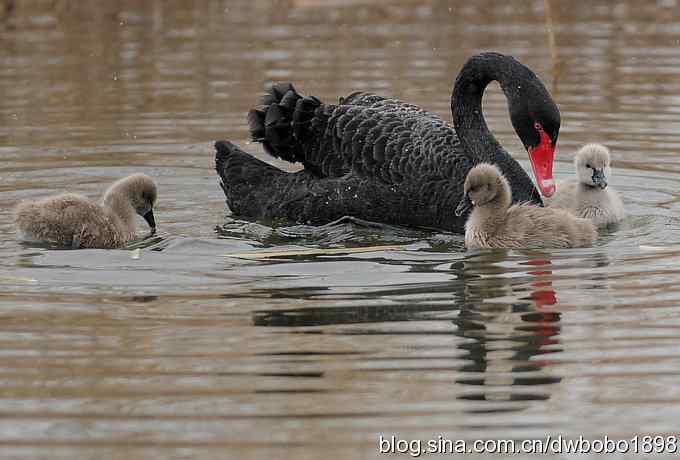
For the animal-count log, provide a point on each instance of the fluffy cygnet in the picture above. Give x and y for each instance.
(588, 194)
(71, 220)
(494, 223)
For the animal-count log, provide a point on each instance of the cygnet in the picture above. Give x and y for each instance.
(70, 220)
(494, 223)
(589, 194)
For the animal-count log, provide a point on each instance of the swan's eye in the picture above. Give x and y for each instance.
(538, 127)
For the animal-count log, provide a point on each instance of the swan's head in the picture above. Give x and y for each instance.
(484, 184)
(143, 195)
(533, 112)
(592, 165)
(536, 120)
(140, 191)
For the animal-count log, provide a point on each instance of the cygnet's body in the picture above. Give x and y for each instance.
(71, 220)
(493, 223)
(588, 194)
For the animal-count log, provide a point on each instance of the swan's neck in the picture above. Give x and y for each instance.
(117, 202)
(466, 103)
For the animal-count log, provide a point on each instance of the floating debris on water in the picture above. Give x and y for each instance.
(314, 252)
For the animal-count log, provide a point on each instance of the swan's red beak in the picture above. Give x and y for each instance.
(542, 157)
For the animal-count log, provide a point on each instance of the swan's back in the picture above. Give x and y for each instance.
(528, 226)
(372, 138)
(69, 220)
(548, 228)
(364, 134)
(393, 142)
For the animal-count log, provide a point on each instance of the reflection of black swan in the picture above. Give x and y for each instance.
(383, 160)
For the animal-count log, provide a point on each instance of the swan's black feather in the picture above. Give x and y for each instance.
(258, 190)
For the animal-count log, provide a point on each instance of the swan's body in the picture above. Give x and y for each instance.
(70, 220)
(384, 160)
(495, 223)
(589, 195)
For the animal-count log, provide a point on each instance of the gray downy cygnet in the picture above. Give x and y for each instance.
(70, 220)
(588, 194)
(495, 223)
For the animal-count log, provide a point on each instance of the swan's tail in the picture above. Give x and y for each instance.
(243, 177)
(284, 122)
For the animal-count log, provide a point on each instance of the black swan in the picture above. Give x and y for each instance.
(383, 160)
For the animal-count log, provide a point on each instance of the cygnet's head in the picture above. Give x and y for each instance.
(484, 184)
(592, 165)
(140, 191)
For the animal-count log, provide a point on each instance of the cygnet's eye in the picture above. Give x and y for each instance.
(588, 165)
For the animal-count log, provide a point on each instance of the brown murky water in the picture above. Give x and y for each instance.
(185, 353)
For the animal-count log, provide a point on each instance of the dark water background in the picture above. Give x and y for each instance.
(185, 353)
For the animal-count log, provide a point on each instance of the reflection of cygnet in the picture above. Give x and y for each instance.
(493, 223)
(587, 195)
(71, 220)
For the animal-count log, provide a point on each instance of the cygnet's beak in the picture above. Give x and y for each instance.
(148, 217)
(464, 206)
(599, 178)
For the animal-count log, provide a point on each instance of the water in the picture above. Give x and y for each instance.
(186, 353)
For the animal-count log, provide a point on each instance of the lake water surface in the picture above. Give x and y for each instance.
(185, 352)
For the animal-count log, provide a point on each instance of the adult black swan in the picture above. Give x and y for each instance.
(384, 160)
